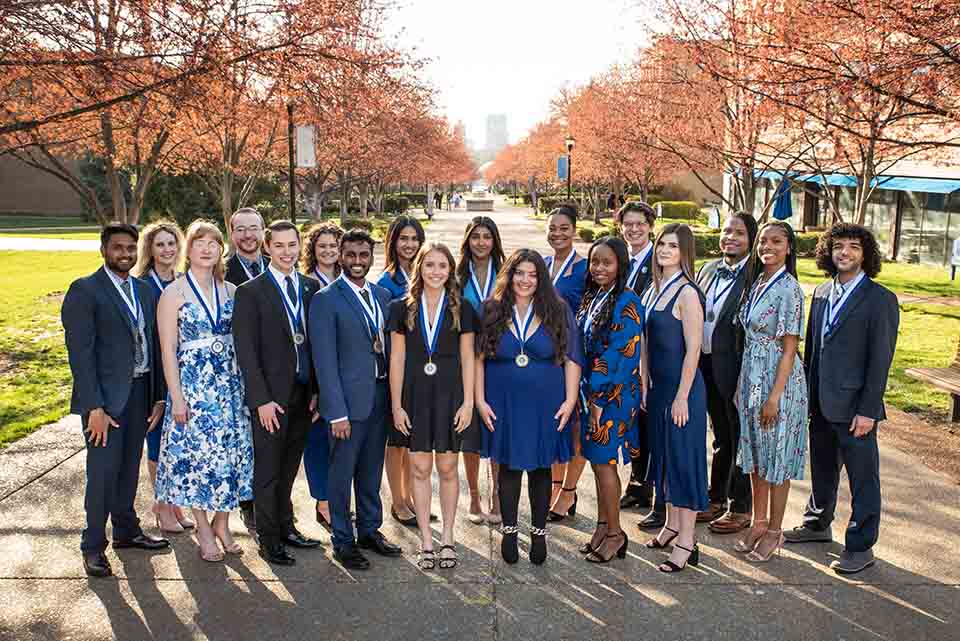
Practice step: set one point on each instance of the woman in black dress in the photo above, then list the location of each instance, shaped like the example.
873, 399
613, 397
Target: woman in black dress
431, 387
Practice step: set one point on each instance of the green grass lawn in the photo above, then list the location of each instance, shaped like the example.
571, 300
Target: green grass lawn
17, 221
60, 235
34, 375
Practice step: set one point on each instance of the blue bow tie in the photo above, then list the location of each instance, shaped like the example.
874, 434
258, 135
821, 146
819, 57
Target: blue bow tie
726, 273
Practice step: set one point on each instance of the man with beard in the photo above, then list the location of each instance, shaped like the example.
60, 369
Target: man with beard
247, 261
110, 325
722, 282
350, 355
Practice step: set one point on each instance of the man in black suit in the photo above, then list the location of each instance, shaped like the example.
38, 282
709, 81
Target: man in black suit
110, 324
636, 221
848, 350
273, 350
722, 282
246, 263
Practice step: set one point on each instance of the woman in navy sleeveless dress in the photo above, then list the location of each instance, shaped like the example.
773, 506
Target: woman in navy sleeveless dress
675, 394
568, 273
481, 255
158, 255
527, 385
405, 236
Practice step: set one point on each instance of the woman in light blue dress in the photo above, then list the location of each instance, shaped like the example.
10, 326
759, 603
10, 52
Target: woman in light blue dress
772, 391
206, 452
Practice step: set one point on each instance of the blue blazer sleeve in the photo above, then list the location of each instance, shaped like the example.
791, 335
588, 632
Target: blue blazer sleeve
79, 316
322, 326
882, 330
613, 374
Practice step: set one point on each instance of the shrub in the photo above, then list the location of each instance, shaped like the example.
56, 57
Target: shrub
586, 234
683, 209
676, 192
708, 244
807, 244
395, 204
357, 223
651, 199
603, 233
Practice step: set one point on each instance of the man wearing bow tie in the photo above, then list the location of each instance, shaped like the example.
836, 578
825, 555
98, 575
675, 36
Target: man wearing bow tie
722, 282
851, 338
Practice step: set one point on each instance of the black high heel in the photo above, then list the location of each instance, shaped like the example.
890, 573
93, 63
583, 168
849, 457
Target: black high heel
538, 545
692, 559
508, 546
586, 548
594, 557
571, 511
655, 544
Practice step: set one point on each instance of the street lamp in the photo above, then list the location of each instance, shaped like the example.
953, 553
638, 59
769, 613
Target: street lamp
569, 141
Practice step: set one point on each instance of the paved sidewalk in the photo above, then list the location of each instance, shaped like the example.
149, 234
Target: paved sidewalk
912, 593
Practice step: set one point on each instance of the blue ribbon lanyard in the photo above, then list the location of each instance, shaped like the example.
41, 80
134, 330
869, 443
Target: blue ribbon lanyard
635, 272
717, 295
293, 313
373, 315
563, 267
319, 274
522, 335
595, 306
132, 308
482, 294
431, 332
663, 290
833, 315
203, 300
759, 293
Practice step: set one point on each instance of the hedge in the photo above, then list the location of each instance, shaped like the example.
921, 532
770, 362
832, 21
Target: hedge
708, 244
395, 204
651, 199
365, 224
683, 209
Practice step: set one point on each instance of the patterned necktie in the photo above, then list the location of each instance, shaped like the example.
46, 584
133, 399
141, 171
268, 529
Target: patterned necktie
837, 293
138, 343
255, 269
725, 273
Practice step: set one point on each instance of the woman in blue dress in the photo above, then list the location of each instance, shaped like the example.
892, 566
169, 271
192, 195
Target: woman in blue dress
158, 254
568, 272
528, 375
772, 390
481, 255
675, 394
611, 323
404, 238
206, 451
320, 261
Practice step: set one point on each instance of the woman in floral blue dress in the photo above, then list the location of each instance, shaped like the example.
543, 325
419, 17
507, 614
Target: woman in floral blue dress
772, 391
206, 452
611, 322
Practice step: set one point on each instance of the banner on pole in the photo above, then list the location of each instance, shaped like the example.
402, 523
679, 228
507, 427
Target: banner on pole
306, 152
562, 168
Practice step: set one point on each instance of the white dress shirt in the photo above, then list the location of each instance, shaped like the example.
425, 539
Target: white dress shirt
715, 305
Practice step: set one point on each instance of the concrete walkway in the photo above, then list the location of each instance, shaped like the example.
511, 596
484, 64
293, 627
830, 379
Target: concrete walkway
912, 593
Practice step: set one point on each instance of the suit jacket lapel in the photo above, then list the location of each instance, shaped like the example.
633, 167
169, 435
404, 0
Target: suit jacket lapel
354, 303
114, 295
856, 297
733, 296
817, 307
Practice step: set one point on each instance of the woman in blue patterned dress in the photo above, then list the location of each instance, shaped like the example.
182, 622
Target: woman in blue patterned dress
481, 255
527, 381
404, 238
158, 254
206, 452
772, 391
568, 273
611, 322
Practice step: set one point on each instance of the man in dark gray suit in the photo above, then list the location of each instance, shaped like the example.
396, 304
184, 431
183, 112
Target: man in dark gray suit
722, 282
849, 346
110, 325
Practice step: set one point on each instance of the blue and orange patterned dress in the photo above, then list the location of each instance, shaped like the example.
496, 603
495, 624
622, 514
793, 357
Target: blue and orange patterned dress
207, 462
611, 381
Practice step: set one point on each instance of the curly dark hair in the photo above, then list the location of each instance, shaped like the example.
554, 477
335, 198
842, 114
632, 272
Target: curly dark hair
872, 257
640, 207
400, 223
308, 255
547, 306
463, 268
600, 335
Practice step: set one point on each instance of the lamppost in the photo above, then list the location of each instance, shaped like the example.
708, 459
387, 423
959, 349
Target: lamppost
569, 142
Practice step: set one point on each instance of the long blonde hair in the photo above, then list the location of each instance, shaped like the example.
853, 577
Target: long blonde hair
145, 260
416, 287
204, 229
688, 253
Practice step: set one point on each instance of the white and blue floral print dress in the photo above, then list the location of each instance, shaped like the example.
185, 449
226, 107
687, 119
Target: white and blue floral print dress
207, 462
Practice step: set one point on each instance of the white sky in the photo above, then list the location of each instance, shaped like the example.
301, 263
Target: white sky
512, 56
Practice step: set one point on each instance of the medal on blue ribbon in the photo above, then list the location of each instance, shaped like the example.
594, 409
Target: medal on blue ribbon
374, 321
522, 360
217, 346
431, 331
292, 308
483, 293
717, 295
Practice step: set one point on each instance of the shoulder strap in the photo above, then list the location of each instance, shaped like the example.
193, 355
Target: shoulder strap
676, 295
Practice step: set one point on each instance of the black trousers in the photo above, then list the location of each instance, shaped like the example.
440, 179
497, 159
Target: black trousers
832, 446
727, 481
538, 491
276, 462
113, 472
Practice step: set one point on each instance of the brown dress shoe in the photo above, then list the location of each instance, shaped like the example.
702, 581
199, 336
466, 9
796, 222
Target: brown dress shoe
711, 513
730, 523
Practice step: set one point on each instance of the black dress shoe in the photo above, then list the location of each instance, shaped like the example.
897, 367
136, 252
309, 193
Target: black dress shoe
351, 558
653, 521
142, 542
276, 554
96, 564
298, 540
637, 495
379, 544
410, 521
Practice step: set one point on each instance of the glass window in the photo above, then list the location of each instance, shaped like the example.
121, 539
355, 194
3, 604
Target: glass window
880, 214
911, 226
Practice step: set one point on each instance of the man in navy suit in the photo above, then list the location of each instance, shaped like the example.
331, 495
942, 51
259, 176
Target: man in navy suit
849, 346
348, 338
110, 325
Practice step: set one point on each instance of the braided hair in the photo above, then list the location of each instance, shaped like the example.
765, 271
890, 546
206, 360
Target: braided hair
600, 334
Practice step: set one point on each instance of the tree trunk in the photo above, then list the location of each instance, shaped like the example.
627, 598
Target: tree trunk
364, 190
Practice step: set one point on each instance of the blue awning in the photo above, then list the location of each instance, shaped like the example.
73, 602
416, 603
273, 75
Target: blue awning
895, 183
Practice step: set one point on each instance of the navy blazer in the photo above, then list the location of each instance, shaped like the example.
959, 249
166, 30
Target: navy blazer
644, 276
849, 373
100, 344
343, 354
726, 356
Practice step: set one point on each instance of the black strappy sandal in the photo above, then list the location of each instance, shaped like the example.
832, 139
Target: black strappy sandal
655, 544
692, 559
586, 548
594, 557
447, 562
571, 511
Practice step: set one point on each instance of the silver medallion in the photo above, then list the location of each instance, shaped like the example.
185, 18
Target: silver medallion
298, 339
217, 347
377, 346
430, 368
522, 360
711, 316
